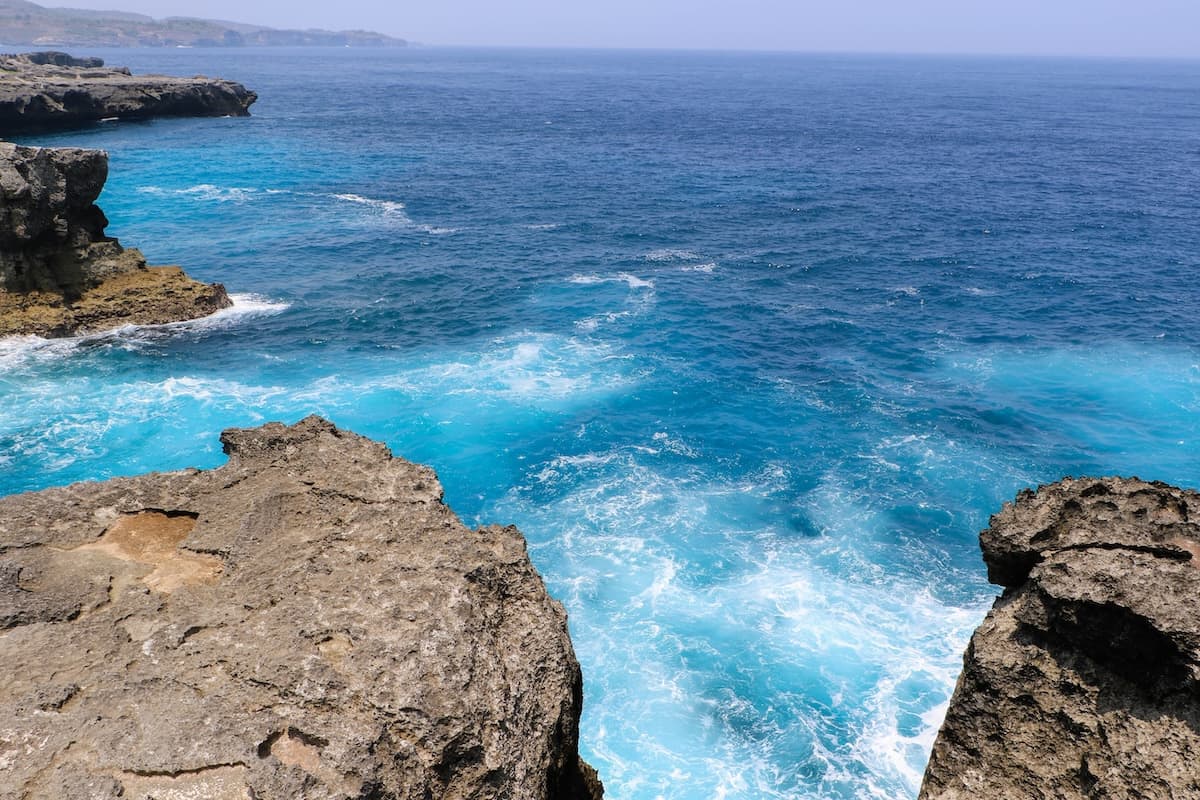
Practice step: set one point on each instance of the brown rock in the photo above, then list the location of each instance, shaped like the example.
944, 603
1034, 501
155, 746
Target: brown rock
59, 274
1084, 680
308, 621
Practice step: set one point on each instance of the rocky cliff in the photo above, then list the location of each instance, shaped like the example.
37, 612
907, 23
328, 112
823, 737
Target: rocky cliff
52, 91
307, 621
29, 23
1084, 680
59, 273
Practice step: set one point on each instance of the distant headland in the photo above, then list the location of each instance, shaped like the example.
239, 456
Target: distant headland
26, 23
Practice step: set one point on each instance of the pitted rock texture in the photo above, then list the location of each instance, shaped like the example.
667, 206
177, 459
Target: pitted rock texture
55, 91
307, 621
59, 274
1084, 680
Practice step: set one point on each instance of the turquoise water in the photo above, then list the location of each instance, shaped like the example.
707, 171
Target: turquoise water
749, 346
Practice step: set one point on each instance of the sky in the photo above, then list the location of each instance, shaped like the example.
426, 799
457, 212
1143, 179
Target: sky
1145, 28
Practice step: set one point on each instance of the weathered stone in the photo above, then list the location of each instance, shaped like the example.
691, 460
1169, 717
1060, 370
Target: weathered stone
307, 621
59, 273
58, 58
55, 91
1084, 680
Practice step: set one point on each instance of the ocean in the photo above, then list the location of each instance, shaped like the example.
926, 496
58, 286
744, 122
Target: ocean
749, 346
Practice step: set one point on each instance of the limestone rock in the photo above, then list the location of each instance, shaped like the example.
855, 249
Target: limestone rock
1084, 680
307, 621
61, 59
59, 273
55, 91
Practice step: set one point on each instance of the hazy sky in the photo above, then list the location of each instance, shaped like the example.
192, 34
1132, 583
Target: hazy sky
1069, 27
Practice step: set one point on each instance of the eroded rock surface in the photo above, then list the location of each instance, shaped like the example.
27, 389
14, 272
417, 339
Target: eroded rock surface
1084, 680
307, 621
59, 273
55, 91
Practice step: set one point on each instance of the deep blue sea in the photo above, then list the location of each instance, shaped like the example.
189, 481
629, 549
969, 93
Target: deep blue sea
749, 346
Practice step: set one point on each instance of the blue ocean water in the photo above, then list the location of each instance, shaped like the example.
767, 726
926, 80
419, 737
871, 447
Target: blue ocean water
749, 346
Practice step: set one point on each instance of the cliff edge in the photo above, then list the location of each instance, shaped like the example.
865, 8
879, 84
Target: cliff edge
307, 621
1084, 680
59, 274
54, 91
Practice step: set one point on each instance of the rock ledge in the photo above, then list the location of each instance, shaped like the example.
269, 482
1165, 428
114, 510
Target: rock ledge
1084, 680
307, 621
59, 274
55, 91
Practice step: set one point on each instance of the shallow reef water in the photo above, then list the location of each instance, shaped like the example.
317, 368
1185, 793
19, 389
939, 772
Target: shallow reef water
748, 345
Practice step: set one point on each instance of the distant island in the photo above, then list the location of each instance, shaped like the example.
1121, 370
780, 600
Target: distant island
26, 23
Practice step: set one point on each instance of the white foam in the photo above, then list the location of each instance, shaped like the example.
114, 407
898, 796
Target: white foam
707, 268
390, 207
205, 390
254, 304
825, 612
206, 192
22, 350
244, 306
527, 369
591, 324
394, 210
629, 279
18, 351
671, 254
543, 226
929, 660
674, 445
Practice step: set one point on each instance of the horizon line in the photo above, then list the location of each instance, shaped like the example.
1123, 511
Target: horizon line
414, 44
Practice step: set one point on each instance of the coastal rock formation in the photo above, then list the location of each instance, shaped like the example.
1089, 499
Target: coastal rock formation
1084, 680
307, 621
54, 91
59, 273
60, 59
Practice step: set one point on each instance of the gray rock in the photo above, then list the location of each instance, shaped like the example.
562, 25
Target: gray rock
59, 273
307, 621
60, 59
1084, 680
55, 91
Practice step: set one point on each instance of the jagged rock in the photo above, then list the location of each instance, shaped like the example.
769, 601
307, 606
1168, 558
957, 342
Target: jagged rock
59, 273
1084, 680
307, 621
55, 91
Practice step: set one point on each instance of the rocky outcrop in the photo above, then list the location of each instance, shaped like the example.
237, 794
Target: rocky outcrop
60, 59
307, 621
1084, 680
59, 273
54, 91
